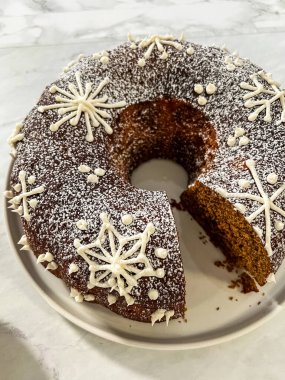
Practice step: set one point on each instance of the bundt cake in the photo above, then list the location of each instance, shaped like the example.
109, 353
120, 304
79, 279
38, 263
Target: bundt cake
219, 116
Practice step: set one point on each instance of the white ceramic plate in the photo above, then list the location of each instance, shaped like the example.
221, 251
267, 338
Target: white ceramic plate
207, 285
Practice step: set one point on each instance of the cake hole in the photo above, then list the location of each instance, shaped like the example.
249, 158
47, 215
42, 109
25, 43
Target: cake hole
165, 129
161, 175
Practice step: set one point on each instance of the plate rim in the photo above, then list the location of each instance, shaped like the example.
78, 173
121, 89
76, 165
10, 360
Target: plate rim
112, 336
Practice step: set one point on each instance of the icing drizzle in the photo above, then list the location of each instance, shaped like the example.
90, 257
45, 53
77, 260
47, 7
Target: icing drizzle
78, 101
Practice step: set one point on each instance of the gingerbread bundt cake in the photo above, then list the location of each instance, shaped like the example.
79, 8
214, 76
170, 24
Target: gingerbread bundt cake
219, 116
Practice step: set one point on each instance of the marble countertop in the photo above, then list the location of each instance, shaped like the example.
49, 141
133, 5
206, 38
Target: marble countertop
36, 342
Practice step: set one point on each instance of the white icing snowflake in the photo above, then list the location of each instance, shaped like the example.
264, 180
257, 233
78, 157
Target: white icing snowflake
20, 202
80, 101
263, 103
156, 41
120, 266
267, 203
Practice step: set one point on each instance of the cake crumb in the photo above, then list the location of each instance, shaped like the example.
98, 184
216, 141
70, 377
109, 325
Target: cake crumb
219, 264
235, 284
248, 284
177, 205
203, 238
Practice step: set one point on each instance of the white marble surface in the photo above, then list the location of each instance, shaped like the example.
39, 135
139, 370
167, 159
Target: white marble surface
36, 39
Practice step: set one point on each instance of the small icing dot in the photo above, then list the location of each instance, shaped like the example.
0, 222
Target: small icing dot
153, 294
49, 257
198, 88
8, 194
111, 299
33, 203
244, 183
127, 219
84, 168
81, 224
100, 172
104, 60
52, 90
161, 253
151, 228
230, 67
45, 257
244, 141
41, 258
239, 132
31, 180
202, 100
141, 62
278, 225
238, 61
73, 268
160, 272
92, 178
52, 266
240, 207
228, 59
231, 141
79, 298
190, 50
272, 178
211, 88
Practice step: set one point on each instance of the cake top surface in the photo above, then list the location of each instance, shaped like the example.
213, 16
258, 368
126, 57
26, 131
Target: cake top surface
63, 145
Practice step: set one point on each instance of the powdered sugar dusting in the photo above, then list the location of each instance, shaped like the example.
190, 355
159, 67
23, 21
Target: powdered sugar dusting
54, 159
